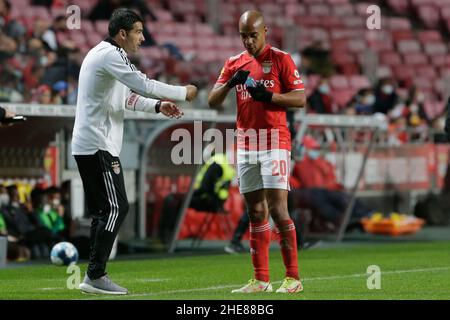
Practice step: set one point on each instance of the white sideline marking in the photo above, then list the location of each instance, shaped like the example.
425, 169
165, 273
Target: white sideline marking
50, 289
355, 275
152, 280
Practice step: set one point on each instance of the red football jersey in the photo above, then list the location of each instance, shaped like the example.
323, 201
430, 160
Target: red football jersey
277, 71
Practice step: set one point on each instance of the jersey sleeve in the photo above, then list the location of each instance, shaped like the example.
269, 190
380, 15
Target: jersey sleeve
225, 74
290, 77
120, 68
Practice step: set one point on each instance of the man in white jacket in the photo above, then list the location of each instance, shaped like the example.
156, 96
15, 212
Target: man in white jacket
109, 84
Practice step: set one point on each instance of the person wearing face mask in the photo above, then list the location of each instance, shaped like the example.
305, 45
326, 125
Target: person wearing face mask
321, 100
20, 227
319, 190
385, 96
416, 114
4, 197
365, 100
50, 214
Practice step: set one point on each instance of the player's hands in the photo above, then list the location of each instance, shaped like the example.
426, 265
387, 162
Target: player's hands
191, 92
447, 120
259, 93
171, 110
238, 78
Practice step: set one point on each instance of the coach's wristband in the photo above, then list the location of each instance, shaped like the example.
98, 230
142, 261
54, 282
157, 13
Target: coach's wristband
158, 106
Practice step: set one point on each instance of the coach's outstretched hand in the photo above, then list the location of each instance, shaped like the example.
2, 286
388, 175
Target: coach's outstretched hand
447, 120
171, 110
238, 78
191, 92
259, 93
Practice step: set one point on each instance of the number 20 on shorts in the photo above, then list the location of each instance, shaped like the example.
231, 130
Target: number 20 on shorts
279, 167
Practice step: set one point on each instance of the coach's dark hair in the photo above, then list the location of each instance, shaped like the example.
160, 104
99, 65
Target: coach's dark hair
122, 19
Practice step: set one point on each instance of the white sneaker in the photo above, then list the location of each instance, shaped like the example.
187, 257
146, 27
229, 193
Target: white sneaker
103, 285
254, 285
290, 285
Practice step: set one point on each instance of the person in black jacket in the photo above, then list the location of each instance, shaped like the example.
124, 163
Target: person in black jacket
447, 120
4, 114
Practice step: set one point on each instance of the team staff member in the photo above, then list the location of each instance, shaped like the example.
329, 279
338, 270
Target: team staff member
109, 84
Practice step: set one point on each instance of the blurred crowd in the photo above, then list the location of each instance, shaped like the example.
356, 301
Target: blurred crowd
40, 64
34, 222
35, 65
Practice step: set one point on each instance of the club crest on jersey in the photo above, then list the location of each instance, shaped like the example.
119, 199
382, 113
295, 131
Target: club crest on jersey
267, 66
115, 167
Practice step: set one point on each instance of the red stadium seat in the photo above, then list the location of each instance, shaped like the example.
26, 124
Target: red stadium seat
436, 48
163, 15
318, 34
354, 22
403, 72
445, 12
390, 58
415, 59
427, 72
184, 29
342, 58
343, 10
343, 97
339, 82
293, 10
349, 69
429, 15
357, 46
399, 6
399, 35
319, 10
87, 26
202, 29
384, 71
101, 26
359, 81
444, 72
408, 46
441, 60
399, 23
430, 36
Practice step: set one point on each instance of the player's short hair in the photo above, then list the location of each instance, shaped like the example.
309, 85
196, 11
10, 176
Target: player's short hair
122, 19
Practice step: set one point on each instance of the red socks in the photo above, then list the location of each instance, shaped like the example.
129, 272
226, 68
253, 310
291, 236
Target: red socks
288, 244
259, 249
260, 243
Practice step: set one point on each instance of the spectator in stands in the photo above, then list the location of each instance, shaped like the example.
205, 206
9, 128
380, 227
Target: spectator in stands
315, 59
446, 126
364, 101
385, 96
321, 100
4, 113
315, 186
398, 124
9, 26
416, 113
59, 92
50, 214
20, 227
42, 95
8, 89
49, 37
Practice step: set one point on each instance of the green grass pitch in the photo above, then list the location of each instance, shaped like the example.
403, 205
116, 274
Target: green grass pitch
408, 271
